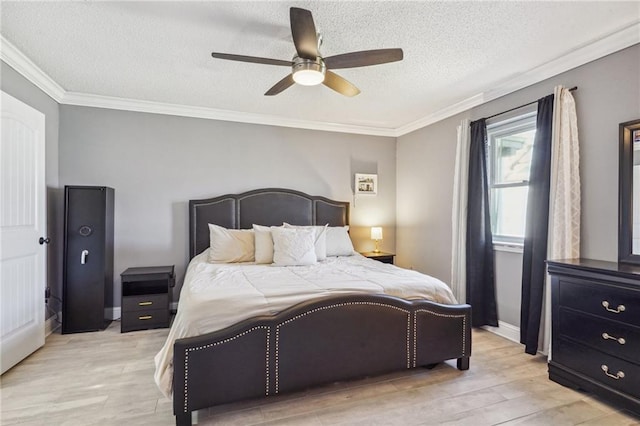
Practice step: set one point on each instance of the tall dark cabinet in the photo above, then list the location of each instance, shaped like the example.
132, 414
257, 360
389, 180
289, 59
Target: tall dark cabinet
88, 258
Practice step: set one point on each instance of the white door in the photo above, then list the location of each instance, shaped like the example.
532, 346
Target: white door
22, 223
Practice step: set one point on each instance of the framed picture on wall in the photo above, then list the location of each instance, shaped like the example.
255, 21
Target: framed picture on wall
366, 184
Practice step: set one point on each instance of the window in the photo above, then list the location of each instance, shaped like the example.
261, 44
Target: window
510, 148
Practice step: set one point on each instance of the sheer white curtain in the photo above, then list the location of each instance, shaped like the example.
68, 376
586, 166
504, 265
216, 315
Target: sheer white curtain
564, 196
459, 213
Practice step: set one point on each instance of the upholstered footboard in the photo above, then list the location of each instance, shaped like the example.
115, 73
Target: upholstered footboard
321, 341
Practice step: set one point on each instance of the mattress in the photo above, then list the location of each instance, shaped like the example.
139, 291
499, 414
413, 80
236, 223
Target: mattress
215, 296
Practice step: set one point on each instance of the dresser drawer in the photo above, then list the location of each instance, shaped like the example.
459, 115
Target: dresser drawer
145, 302
598, 299
592, 363
612, 337
142, 320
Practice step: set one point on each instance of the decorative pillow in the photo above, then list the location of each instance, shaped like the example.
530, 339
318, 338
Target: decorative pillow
264, 244
320, 241
338, 241
293, 246
230, 245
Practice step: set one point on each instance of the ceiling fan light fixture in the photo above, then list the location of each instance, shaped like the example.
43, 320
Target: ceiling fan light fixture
308, 77
307, 72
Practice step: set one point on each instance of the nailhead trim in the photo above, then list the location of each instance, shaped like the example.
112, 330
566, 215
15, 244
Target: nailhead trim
324, 308
211, 345
415, 332
321, 308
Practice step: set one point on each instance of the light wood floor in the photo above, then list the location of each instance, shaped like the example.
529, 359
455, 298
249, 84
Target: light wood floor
106, 378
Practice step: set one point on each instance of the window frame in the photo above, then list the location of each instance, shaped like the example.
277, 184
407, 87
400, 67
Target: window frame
520, 122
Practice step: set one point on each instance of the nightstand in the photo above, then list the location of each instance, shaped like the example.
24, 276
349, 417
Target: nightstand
380, 256
146, 297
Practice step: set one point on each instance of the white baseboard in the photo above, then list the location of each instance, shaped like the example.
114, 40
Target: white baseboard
113, 313
506, 330
51, 325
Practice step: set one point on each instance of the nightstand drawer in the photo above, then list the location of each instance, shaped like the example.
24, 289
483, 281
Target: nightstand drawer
608, 370
601, 300
612, 337
142, 320
145, 302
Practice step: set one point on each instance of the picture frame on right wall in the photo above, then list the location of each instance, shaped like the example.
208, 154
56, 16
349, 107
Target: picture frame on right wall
366, 184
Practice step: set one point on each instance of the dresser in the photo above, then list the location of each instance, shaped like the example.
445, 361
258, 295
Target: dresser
595, 343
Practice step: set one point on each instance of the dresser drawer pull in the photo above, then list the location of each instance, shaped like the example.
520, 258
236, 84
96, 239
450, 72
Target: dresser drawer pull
618, 375
145, 317
619, 309
145, 303
620, 340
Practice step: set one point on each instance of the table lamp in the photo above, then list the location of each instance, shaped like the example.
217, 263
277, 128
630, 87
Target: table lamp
376, 235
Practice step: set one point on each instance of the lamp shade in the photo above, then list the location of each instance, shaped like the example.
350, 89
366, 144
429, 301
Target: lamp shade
376, 233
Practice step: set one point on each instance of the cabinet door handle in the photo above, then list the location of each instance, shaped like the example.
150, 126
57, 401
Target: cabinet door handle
145, 317
620, 340
617, 376
145, 303
619, 309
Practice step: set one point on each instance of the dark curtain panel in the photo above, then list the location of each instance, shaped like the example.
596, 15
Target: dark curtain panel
535, 238
481, 289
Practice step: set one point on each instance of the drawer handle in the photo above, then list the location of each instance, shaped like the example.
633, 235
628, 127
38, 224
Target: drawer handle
619, 309
145, 317
618, 375
620, 340
145, 303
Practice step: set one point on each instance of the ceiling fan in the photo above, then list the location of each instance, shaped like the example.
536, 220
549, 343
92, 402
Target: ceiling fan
308, 67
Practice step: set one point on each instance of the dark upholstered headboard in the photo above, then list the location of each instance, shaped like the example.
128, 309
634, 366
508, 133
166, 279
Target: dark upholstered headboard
268, 207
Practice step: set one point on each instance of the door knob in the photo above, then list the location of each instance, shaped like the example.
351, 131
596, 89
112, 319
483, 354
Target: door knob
43, 240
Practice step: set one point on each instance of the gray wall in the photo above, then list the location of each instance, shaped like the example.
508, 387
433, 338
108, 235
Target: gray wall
156, 163
20, 88
608, 94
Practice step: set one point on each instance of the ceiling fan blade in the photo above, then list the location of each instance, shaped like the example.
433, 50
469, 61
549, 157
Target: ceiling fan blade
280, 86
304, 33
253, 59
363, 58
339, 84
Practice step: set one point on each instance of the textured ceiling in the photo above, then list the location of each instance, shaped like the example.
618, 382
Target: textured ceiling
160, 51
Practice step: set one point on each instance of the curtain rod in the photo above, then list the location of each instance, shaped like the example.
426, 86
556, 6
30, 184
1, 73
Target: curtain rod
521, 106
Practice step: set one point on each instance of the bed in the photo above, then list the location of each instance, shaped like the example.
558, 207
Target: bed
326, 336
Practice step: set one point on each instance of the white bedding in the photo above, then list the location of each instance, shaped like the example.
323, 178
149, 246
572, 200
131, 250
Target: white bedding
215, 296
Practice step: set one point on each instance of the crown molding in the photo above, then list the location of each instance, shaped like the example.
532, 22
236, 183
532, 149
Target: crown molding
17, 60
613, 42
99, 101
439, 115
617, 40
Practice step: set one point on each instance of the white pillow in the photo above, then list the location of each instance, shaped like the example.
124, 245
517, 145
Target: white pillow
338, 241
320, 241
293, 246
264, 244
230, 245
